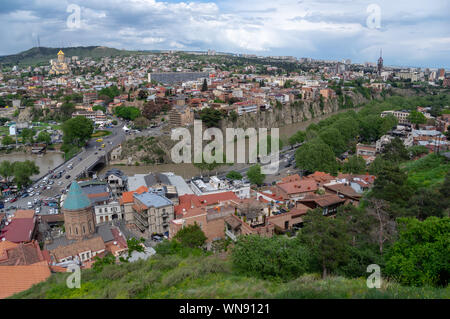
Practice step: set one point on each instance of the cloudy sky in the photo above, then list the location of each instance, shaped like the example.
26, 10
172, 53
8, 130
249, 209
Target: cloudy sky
410, 32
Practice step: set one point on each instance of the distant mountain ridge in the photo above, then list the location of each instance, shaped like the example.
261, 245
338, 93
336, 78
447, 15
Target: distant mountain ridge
39, 55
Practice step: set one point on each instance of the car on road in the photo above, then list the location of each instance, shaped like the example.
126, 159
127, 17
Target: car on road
24, 195
48, 187
67, 176
59, 183
95, 153
13, 200
37, 194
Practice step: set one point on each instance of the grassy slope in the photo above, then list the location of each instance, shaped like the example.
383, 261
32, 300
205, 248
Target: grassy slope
210, 277
429, 171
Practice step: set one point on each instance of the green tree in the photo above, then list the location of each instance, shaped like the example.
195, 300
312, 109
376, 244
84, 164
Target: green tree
127, 112
255, 176
327, 239
355, 165
77, 131
8, 140
390, 184
417, 118
316, 156
66, 111
298, 137
270, 258
234, 175
44, 137
332, 137
101, 262
210, 117
395, 151
27, 135
191, 236
420, 256
23, 171
6, 170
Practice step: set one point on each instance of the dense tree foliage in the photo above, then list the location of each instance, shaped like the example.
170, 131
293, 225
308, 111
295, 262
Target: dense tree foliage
210, 117
255, 176
270, 258
354, 165
127, 112
191, 236
316, 156
77, 131
234, 175
420, 256
327, 240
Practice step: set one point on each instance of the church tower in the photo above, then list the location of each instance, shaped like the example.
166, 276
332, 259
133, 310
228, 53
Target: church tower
380, 63
78, 214
61, 56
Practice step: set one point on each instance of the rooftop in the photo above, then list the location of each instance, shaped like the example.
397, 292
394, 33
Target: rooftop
76, 198
152, 200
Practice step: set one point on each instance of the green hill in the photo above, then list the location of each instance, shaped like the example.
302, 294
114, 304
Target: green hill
202, 276
39, 55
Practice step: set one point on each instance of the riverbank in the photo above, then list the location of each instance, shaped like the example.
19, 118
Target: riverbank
188, 171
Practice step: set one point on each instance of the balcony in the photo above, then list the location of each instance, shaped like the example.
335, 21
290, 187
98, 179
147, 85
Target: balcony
141, 219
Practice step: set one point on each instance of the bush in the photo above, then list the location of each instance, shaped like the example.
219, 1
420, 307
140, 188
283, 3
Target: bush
270, 258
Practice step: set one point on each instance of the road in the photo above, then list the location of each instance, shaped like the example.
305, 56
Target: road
80, 163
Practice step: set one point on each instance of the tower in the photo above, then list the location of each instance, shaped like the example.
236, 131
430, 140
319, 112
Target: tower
78, 214
380, 63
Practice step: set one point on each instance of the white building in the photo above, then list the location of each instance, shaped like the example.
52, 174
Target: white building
215, 185
108, 212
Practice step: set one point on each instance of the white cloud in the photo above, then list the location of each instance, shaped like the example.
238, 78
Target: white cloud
411, 32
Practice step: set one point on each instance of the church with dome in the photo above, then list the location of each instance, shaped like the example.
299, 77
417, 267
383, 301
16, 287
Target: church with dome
84, 239
60, 66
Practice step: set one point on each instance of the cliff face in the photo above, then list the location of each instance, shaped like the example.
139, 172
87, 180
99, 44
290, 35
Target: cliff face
290, 113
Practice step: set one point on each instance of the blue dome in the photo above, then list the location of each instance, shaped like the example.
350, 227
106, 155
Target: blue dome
76, 199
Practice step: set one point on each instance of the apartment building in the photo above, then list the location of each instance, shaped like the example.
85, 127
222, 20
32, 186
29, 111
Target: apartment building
152, 213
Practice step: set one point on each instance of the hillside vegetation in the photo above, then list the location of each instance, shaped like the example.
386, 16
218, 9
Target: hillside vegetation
202, 276
36, 55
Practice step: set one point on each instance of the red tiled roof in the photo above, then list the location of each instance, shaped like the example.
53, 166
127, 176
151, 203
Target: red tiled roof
127, 197
299, 186
15, 279
188, 200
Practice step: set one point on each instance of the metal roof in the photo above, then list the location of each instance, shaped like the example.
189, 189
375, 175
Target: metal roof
76, 198
153, 200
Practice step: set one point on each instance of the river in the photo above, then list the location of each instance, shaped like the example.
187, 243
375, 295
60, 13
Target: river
45, 162
188, 171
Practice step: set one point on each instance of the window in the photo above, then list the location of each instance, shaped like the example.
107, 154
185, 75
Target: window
84, 230
76, 230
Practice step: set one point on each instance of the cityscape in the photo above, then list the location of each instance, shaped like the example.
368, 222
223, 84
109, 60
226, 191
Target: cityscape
93, 203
